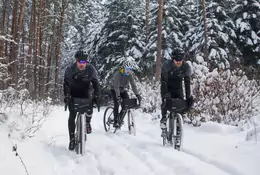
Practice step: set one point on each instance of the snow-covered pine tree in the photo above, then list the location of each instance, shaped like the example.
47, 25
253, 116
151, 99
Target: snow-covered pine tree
172, 34
84, 22
121, 38
221, 34
173, 26
147, 61
247, 21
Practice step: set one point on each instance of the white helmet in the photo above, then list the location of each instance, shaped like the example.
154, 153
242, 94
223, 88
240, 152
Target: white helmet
128, 64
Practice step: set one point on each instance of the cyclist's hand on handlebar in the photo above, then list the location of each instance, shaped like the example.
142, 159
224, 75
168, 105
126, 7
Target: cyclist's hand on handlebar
119, 100
167, 96
67, 99
96, 100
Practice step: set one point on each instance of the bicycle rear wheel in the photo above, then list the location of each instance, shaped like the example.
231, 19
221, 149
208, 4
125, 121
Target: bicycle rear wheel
108, 118
131, 123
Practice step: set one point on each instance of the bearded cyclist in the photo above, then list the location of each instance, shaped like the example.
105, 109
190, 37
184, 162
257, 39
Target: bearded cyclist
174, 72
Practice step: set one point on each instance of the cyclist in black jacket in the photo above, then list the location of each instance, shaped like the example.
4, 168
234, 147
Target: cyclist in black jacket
173, 73
77, 83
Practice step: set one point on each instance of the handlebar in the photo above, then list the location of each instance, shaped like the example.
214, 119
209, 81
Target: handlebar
66, 106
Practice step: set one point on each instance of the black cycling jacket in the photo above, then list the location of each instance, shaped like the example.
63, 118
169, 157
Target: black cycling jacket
78, 83
172, 77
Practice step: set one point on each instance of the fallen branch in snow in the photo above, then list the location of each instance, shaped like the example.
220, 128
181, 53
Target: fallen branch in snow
17, 154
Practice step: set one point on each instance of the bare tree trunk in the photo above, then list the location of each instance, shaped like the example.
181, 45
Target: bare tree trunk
13, 46
22, 68
58, 55
39, 51
51, 48
2, 30
19, 31
21, 20
205, 31
6, 42
147, 21
48, 69
44, 53
29, 67
35, 59
159, 42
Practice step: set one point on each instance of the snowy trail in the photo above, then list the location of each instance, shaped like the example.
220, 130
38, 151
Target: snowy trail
121, 153
124, 154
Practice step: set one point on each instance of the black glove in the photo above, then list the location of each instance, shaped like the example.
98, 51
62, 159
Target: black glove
119, 100
96, 100
139, 98
167, 96
190, 101
67, 99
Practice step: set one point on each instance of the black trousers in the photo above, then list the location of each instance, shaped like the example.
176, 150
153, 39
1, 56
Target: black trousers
72, 117
123, 95
174, 94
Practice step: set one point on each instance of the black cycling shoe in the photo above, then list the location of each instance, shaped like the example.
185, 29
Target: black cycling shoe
116, 125
72, 144
89, 129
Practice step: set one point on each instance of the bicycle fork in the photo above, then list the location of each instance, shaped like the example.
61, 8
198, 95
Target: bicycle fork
174, 130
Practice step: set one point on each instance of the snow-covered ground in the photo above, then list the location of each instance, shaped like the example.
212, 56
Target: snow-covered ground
212, 149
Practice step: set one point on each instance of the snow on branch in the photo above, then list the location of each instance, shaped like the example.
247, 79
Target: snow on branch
225, 96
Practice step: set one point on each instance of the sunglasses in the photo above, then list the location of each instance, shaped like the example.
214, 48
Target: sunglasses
179, 59
82, 61
128, 69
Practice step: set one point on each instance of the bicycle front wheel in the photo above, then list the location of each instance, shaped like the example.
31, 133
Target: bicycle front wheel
171, 131
108, 118
81, 134
179, 132
131, 123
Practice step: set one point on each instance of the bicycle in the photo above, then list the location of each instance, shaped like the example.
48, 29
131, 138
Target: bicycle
80, 106
175, 122
127, 106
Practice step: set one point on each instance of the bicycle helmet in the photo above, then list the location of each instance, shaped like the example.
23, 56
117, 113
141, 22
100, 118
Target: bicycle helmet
178, 54
81, 55
128, 64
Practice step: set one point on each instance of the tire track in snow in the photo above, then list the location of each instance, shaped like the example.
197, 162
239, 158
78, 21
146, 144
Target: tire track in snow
172, 165
130, 143
144, 156
114, 157
220, 165
225, 168
68, 162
